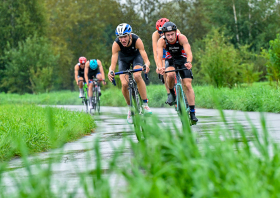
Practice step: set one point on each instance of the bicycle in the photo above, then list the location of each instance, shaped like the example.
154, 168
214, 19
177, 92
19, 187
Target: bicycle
134, 97
181, 104
85, 98
95, 96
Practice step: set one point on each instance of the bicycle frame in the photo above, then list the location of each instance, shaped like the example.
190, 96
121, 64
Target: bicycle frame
132, 88
95, 95
85, 98
179, 92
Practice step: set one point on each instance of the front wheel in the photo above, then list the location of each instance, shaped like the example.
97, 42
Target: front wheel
85, 103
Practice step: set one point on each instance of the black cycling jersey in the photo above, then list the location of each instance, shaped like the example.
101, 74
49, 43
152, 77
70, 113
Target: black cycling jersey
93, 72
128, 51
174, 50
81, 71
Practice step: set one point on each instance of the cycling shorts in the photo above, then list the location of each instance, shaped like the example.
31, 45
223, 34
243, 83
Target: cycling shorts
91, 78
126, 61
179, 64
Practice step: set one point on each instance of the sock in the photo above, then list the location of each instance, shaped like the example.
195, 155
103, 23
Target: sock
81, 90
90, 99
145, 101
172, 91
192, 109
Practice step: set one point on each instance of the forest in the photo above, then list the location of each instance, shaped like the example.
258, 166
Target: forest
233, 41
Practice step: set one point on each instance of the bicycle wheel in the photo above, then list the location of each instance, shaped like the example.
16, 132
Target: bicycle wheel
179, 99
138, 101
97, 101
85, 102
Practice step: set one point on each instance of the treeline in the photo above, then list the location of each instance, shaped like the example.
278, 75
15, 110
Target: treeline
233, 41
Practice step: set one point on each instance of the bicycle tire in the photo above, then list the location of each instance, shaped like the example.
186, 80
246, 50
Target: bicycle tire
85, 104
97, 106
138, 101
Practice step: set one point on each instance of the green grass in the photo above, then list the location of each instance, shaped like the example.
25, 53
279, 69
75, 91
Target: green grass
258, 97
39, 128
227, 162
182, 163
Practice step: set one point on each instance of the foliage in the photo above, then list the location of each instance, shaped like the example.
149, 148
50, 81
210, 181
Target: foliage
19, 20
29, 68
273, 58
220, 61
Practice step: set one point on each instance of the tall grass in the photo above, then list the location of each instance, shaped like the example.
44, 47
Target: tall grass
173, 161
258, 97
39, 128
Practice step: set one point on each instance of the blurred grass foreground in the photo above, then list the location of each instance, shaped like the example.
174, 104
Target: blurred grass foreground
170, 162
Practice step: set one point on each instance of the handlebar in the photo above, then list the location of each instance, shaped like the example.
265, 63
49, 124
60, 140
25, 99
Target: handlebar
176, 70
129, 71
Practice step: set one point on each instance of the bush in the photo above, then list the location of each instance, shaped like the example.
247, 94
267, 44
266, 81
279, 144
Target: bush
29, 67
273, 60
220, 61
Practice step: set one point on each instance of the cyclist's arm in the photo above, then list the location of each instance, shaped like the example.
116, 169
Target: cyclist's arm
187, 48
140, 46
76, 73
155, 38
160, 46
101, 69
114, 59
86, 71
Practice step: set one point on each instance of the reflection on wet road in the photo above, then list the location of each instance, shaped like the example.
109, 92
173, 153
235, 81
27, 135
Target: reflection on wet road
78, 157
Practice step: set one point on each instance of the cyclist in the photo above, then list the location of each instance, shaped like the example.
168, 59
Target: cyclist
93, 69
155, 37
128, 49
178, 54
79, 74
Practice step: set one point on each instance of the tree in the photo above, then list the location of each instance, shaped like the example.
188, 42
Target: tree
19, 20
29, 68
220, 61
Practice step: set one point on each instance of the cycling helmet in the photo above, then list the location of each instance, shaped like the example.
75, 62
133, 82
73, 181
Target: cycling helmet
82, 60
168, 27
160, 23
93, 64
123, 29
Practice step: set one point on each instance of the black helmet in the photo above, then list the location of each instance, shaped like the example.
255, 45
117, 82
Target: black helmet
168, 27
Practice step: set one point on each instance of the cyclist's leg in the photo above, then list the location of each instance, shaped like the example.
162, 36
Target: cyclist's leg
141, 85
164, 76
124, 65
170, 80
81, 84
99, 77
90, 93
187, 77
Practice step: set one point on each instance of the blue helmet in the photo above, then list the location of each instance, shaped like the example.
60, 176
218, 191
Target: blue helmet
93, 64
123, 29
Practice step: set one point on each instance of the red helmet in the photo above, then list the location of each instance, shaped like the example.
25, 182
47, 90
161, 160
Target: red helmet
82, 59
160, 23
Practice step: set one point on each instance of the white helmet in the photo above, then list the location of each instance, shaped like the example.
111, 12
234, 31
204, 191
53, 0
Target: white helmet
123, 29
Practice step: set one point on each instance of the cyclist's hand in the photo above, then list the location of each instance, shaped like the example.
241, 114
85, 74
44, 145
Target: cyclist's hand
161, 70
147, 69
188, 65
110, 76
103, 82
157, 70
